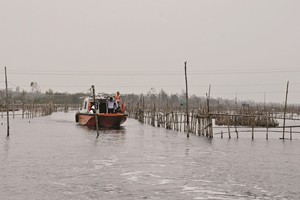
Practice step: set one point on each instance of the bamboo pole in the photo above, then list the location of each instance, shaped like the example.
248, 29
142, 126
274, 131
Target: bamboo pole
153, 115
203, 126
158, 120
13, 109
208, 98
187, 101
206, 126
209, 118
177, 127
285, 106
143, 112
173, 121
23, 110
180, 121
192, 123
7, 111
253, 122
228, 119
267, 134
235, 127
96, 114
211, 132
199, 125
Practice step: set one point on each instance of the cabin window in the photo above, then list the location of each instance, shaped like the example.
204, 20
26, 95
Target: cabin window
85, 104
102, 107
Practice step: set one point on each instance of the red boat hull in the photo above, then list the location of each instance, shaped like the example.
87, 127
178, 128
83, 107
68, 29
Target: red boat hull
113, 120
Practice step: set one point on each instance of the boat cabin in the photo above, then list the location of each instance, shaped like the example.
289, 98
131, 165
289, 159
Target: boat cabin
89, 106
99, 106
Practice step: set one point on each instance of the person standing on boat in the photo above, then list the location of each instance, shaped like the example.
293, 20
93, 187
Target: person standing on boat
110, 105
118, 98
92, 109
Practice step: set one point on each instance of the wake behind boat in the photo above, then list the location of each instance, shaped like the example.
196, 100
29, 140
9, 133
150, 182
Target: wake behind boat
110, 112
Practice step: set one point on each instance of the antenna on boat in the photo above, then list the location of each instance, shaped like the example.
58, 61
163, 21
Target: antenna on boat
96, 115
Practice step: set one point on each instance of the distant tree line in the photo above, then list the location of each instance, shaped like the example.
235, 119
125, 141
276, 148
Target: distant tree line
160, 100
163, 101
25, 97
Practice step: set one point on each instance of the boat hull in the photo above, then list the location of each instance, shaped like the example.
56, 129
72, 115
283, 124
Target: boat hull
113, 120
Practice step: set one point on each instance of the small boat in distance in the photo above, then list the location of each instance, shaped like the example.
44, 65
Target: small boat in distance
101, 108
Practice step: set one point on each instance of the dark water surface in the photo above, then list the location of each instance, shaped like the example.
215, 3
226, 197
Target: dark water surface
53, 158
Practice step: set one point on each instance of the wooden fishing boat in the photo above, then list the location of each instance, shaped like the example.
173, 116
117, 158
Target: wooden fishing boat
106, 117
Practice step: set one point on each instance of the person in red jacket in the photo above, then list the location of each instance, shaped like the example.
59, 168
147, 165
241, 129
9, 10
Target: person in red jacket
118, 98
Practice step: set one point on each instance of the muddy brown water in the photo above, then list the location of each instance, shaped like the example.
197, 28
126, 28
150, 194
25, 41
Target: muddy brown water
54, 158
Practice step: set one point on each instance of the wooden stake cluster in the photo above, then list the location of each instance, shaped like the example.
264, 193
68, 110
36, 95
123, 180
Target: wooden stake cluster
178, 121
202, 124
29, 110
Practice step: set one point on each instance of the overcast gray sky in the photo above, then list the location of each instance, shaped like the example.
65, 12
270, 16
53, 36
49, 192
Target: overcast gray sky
244, 48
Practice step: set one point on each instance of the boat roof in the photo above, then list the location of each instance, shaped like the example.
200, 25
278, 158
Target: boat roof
100, 96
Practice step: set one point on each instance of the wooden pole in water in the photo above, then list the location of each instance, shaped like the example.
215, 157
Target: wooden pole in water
235, 127
209, 117
180, 121
7, 111
187, 101
96, 115
228, 121
13, 108
285, 105
208, 98
253, 124
22, 109
143, 110
267, 134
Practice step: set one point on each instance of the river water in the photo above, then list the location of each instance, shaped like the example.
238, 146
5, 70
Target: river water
54, 158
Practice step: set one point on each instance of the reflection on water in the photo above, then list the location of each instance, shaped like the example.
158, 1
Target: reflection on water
6, 145
54, 158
